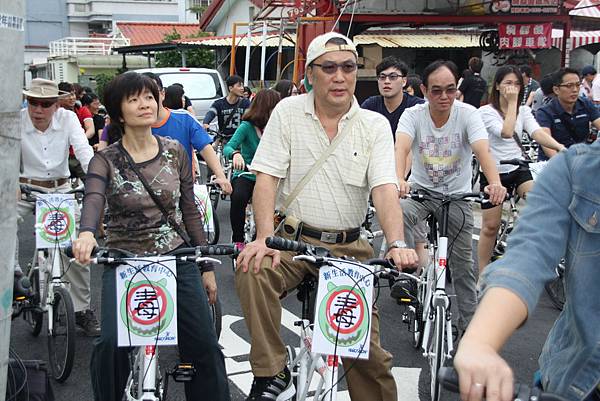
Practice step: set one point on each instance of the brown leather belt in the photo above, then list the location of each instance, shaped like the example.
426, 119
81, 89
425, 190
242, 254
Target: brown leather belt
334, 237
44, 183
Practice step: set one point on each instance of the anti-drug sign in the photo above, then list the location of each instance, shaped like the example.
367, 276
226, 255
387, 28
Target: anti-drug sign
147, 302
55, 220
343, 310
204, 206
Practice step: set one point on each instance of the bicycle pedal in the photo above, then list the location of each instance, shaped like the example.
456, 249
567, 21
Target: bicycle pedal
183, 372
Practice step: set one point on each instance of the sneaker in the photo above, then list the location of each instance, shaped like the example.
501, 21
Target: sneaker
404, 291
276, 388
86, 320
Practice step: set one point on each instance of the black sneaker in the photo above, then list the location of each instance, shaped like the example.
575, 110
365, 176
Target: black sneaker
276, 388
404, 291
86, 320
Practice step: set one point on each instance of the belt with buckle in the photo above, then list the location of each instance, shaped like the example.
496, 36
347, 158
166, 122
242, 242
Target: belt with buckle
335, 237
44, 183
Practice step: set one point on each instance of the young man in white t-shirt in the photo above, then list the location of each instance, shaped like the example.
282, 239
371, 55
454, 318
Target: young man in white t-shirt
442, 134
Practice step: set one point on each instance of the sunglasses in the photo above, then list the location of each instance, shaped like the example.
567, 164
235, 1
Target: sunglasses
329, 67
448, 91
43, 103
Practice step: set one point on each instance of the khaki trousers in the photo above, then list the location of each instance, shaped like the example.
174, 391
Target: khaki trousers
260, 299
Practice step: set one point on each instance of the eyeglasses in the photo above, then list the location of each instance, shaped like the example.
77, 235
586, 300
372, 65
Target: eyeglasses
392, 76
329, 67
43, 103
571, 85
448, 91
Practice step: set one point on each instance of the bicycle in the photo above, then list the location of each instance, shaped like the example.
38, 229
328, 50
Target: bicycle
367, 231
145, 381
303, 363
210, 221
449, 379
49, 294
428, 305
507, 224
220, 140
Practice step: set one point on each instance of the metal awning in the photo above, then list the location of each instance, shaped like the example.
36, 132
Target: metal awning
408, 40
421, 40
241, 40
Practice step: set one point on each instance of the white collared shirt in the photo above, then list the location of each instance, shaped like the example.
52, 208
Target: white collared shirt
45, 155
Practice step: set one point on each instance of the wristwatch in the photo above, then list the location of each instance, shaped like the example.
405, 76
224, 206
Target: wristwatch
397, 244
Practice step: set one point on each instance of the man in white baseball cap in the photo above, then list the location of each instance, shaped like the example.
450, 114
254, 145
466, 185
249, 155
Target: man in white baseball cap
47, 132
354, 151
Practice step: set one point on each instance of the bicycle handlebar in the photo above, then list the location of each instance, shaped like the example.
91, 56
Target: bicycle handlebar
114, 255
449, 379
282, 244
30, 192
517, 162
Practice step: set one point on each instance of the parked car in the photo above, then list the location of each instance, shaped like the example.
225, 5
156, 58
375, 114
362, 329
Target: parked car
202, 85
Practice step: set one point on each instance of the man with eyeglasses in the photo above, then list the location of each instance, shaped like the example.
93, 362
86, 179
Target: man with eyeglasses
392, 100
568, 116
328, 211
47, 132
442, 134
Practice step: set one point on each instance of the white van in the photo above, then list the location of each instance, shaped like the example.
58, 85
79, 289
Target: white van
202, 85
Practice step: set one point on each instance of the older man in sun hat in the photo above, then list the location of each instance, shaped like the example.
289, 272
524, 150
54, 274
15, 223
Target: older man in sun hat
330, 207
47, 132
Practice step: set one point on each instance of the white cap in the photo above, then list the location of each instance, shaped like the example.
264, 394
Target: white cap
319, 46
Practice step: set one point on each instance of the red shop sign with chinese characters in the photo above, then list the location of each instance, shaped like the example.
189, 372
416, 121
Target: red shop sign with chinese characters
525, 36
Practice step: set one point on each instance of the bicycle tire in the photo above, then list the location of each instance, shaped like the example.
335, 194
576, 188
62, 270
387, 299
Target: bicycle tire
213, 238
556, 292
475, 171
33, 316
417, 326
437, 360
63, 319
216, 314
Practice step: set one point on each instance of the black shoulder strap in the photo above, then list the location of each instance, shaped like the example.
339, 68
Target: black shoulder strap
170, 219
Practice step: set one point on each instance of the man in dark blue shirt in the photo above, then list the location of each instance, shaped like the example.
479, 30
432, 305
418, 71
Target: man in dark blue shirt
567, 117
391, 78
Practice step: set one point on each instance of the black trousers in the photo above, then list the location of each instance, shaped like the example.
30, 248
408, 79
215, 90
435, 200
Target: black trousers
241, 195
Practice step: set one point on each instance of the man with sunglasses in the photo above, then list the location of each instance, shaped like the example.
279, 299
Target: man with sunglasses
392, 100
327, 211
47, 132
442, 134
568, 116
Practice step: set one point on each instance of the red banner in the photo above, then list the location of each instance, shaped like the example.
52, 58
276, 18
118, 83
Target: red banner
525, 36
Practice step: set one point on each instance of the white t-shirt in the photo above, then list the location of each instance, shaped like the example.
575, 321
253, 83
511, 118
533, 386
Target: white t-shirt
506, 148
596, 89
442, 156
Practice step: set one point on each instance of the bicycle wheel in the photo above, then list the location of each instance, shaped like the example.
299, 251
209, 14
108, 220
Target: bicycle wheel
216, 315
33, 315
437, 355
556, 291
475, 174
213, 237
134, 382
61, 342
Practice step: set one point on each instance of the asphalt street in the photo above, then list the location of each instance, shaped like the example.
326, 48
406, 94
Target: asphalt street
410, 368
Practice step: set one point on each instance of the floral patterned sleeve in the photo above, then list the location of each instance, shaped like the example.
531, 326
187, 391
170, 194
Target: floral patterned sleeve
191, 216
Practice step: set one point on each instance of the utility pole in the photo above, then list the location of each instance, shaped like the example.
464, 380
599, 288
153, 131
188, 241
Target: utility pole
12, 33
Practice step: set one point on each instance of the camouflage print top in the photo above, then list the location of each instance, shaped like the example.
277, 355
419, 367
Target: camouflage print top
135, 223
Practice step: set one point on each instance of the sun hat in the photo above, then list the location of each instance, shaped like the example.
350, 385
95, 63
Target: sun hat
43, 89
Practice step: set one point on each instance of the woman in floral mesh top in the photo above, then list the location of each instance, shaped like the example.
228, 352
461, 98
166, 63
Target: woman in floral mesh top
136, 224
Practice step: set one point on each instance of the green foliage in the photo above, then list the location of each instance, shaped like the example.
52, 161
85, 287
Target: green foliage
194, 57
102, 80
197, 9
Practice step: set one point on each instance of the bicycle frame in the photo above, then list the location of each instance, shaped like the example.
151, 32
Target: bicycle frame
146, 360
435, 287
48, 280
309, 362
